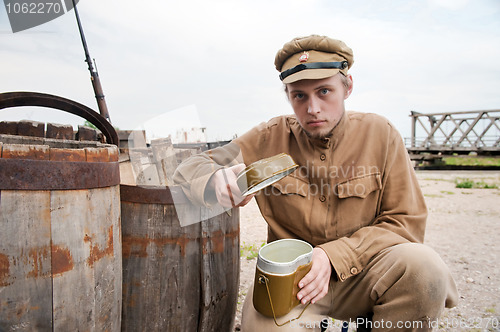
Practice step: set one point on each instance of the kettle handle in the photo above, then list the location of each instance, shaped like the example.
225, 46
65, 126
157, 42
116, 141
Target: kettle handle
16, 99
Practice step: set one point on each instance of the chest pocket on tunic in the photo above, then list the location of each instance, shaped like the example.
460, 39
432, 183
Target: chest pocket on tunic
291, 185
286, 201
357, 203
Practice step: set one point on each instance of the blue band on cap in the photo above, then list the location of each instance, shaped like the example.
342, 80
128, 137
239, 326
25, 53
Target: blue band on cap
313, 65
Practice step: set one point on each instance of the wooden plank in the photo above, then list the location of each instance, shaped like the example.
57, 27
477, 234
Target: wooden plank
159, 148
87, 279
69, 144
134, 265
8, 127
59, 131
127, 174
137, 139
73, 280
143, 166
21, 151
13, 139
123, 134
86, 134
105, 257
183, 279
161, 269
126, 138
98, 154
219, 270
113, 153
136, 163
57, 154
25, 261
152, 273
165, 160
139, 158
31, 128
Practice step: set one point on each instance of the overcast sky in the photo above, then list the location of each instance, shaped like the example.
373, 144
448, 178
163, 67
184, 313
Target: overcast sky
211, 63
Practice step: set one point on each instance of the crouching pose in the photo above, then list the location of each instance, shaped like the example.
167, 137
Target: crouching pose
354, 198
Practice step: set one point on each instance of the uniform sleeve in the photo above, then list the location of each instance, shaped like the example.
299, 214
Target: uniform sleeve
401, 217
194, 173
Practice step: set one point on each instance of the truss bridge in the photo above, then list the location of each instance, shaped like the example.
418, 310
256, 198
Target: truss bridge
454, 133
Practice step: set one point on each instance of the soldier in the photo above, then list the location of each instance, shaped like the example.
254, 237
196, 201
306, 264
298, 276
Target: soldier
354, 198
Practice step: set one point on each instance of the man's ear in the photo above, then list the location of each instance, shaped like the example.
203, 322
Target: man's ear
348, 91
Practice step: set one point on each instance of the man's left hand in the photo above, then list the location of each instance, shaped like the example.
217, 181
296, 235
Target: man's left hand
314, 286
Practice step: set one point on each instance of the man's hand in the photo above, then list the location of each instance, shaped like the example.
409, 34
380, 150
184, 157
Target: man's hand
223, 182
314, 285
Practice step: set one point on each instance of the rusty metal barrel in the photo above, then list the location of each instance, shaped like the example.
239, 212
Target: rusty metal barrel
60, 235
177, 278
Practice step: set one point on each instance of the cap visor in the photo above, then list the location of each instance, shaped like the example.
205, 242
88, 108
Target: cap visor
310, 74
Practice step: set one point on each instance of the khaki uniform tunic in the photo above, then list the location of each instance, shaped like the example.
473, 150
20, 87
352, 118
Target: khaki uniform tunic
354, 193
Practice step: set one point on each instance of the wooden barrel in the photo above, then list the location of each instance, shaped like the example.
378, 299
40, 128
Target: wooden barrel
176, 278
60, 236
60, 244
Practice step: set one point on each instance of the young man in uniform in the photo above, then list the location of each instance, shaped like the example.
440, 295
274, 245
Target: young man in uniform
354, 198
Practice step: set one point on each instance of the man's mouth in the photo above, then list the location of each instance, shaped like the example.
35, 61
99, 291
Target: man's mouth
316, 123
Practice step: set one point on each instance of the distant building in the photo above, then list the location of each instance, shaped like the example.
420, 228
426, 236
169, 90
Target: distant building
193, 135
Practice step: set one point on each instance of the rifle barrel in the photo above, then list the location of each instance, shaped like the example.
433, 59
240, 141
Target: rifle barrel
94, 75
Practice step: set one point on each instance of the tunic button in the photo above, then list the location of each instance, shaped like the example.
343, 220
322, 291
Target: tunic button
322, 157
354, 270
322, 198
342, 276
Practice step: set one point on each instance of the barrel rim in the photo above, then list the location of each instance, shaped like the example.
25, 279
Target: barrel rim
148, 194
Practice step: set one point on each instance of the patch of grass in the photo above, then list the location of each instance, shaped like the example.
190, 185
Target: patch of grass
447, 192
484, 185
250, 251
471, 161
464, 183
433, 196
468, 184
434, 179
491, 310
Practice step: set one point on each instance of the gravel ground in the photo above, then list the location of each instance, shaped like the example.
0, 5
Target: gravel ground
463, 227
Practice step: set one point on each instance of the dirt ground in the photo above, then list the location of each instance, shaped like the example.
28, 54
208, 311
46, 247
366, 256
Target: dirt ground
463, 227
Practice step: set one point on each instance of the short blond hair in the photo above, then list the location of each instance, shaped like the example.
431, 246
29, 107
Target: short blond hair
345, 82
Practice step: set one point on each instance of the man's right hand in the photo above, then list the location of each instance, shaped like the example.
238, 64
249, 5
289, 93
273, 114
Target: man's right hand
226, 188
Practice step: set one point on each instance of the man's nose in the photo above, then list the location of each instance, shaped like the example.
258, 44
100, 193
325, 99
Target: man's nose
313, 106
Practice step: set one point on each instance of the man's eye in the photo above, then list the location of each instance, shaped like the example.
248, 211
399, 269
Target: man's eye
299, 96
324, 91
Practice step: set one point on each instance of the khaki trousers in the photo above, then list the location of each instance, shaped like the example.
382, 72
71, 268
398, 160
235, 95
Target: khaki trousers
403, 288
